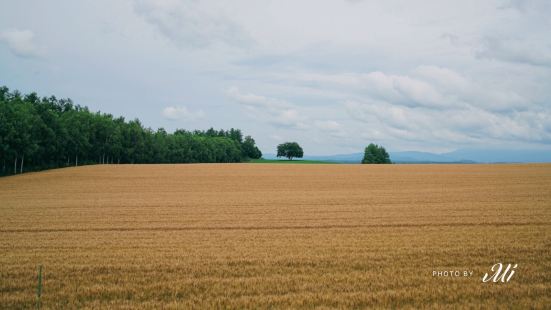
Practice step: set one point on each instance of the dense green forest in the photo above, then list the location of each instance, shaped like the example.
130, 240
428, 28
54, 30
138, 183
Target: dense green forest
42, 133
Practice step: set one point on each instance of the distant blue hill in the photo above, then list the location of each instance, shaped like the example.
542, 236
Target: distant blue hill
425, 157
506, 156
458, 156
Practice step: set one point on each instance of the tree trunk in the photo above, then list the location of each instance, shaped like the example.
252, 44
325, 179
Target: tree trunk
67, 160
22, 160
76, 160
15, 166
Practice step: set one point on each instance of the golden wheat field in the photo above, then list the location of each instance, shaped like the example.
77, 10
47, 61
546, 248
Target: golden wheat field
275, 236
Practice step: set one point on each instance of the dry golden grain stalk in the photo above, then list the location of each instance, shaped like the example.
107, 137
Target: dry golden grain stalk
283, 236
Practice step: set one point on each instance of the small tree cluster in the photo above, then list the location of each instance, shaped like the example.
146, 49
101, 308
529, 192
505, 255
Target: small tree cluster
375, 154
249, 148
289, 150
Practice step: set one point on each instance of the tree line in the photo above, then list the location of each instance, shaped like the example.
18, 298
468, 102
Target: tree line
42, 133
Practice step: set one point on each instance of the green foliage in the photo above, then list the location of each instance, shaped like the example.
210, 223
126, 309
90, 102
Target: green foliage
375, 154
289, 150
284, 161
249, 148
41, 133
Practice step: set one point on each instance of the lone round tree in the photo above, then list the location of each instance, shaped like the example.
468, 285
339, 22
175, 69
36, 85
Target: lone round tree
289, 150
375, 154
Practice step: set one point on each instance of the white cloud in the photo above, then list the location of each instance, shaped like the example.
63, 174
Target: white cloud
328, 125
256, 100
276, 137
283, 114
443, 126
400, 89
442, 77
181, 113
275, 111
331, 127
20, 42
426, 86
191, 23
525, 6
522, 51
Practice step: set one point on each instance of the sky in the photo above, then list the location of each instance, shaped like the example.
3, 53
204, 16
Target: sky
333, 75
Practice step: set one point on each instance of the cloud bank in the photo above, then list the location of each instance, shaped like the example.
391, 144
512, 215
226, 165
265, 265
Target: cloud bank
333, 75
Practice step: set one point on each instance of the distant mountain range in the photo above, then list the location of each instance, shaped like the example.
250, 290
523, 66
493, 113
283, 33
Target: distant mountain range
458, 156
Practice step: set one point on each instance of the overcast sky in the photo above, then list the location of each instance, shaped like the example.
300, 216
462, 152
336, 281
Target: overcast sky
333, 75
